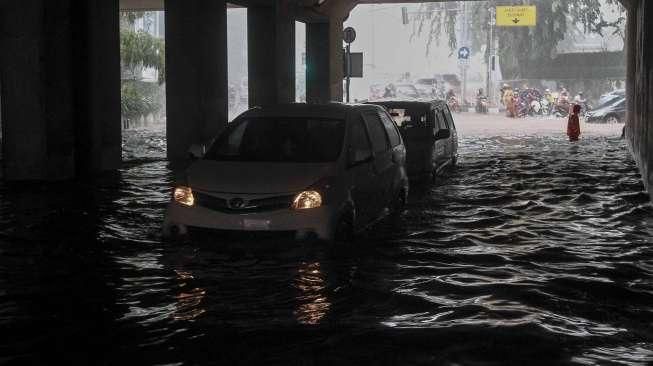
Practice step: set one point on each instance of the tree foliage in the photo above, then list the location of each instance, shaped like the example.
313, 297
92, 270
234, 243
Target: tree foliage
518, 46
139, 50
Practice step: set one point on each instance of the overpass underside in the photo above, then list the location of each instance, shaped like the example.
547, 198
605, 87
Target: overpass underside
60, 75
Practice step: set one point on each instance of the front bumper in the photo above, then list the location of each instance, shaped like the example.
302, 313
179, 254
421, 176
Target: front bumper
318, 221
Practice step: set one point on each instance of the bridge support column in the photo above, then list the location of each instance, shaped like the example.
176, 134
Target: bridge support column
639, 44
60, 73
271, 55
196, 73
324, 69
98, 131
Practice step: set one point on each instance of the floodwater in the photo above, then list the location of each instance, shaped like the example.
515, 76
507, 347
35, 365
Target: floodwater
532, 251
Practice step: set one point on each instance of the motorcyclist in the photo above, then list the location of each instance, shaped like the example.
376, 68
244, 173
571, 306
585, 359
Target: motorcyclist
481, 101
563, 97
509, 102
389, 91
451, 94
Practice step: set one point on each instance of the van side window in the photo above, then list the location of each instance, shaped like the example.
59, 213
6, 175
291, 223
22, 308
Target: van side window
440, 121
450, 122
359, 143
444, 119
377, 132
390, 128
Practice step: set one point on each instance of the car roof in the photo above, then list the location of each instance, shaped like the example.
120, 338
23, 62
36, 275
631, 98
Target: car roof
409, 104
326, 111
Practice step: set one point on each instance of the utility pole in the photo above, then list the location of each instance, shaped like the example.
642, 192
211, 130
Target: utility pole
490, 48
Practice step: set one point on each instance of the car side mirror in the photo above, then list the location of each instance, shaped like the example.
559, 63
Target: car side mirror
196, 151
442, 134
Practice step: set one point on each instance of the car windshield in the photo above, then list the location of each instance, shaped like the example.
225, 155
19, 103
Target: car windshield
280, 139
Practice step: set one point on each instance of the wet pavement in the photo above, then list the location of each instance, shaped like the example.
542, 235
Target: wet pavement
532, 251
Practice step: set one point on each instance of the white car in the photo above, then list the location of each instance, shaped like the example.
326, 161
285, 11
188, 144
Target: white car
324, 171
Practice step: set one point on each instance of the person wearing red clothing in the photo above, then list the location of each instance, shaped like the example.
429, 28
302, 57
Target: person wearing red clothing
573, 124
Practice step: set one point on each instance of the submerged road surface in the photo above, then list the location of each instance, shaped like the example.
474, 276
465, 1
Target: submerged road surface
532, 251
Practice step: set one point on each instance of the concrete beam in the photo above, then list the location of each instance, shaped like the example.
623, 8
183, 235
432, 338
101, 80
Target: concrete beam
196, 73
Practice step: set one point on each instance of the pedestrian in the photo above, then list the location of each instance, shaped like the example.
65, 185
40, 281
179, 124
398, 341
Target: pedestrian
573, 124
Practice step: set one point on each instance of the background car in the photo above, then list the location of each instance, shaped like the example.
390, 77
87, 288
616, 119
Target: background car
611, 97
324, 171
614, 112
429, 133
407, 91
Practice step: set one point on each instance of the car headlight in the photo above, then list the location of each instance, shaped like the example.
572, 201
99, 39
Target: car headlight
306, 200
184, 196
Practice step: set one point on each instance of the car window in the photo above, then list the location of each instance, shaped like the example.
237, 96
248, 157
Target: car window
359, 143
443, 116
440, 121
450, 122
279, 139
390, 128
377, 132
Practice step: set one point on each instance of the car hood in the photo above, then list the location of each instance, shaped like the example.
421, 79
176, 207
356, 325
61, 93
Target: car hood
601, 112
255, 177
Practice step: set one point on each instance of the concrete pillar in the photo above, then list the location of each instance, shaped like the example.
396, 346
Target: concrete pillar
271, 55
640, 87
60, 70
97, 65
35, 66
196, 73
324, 69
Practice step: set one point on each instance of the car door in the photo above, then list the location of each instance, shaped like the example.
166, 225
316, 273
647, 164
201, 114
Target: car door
383, 164
440, 149
360, 168
453, 151
398, 153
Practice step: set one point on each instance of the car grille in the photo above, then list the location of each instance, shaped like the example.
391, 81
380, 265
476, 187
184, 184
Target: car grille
251, 206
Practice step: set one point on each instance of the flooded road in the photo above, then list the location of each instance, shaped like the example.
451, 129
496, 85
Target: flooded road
532, 251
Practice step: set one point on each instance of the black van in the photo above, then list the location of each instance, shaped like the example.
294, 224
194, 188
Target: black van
429, 133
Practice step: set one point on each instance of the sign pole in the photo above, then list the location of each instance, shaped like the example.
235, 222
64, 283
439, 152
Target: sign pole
348, 68
349, 36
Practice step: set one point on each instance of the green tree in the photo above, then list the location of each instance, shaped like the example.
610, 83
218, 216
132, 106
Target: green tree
139, 50
518, 47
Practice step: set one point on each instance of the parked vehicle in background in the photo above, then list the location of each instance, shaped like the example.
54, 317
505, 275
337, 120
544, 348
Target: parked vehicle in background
324, 171
429, 133
611, 97
406, 91
614, 112
427, 87
376, 91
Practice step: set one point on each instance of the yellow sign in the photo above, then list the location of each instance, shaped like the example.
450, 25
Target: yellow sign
516, 16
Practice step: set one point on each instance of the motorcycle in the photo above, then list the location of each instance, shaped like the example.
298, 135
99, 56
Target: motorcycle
482, 104
561, 107
453, 104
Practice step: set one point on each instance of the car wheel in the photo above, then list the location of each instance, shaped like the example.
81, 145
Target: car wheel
611, 119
